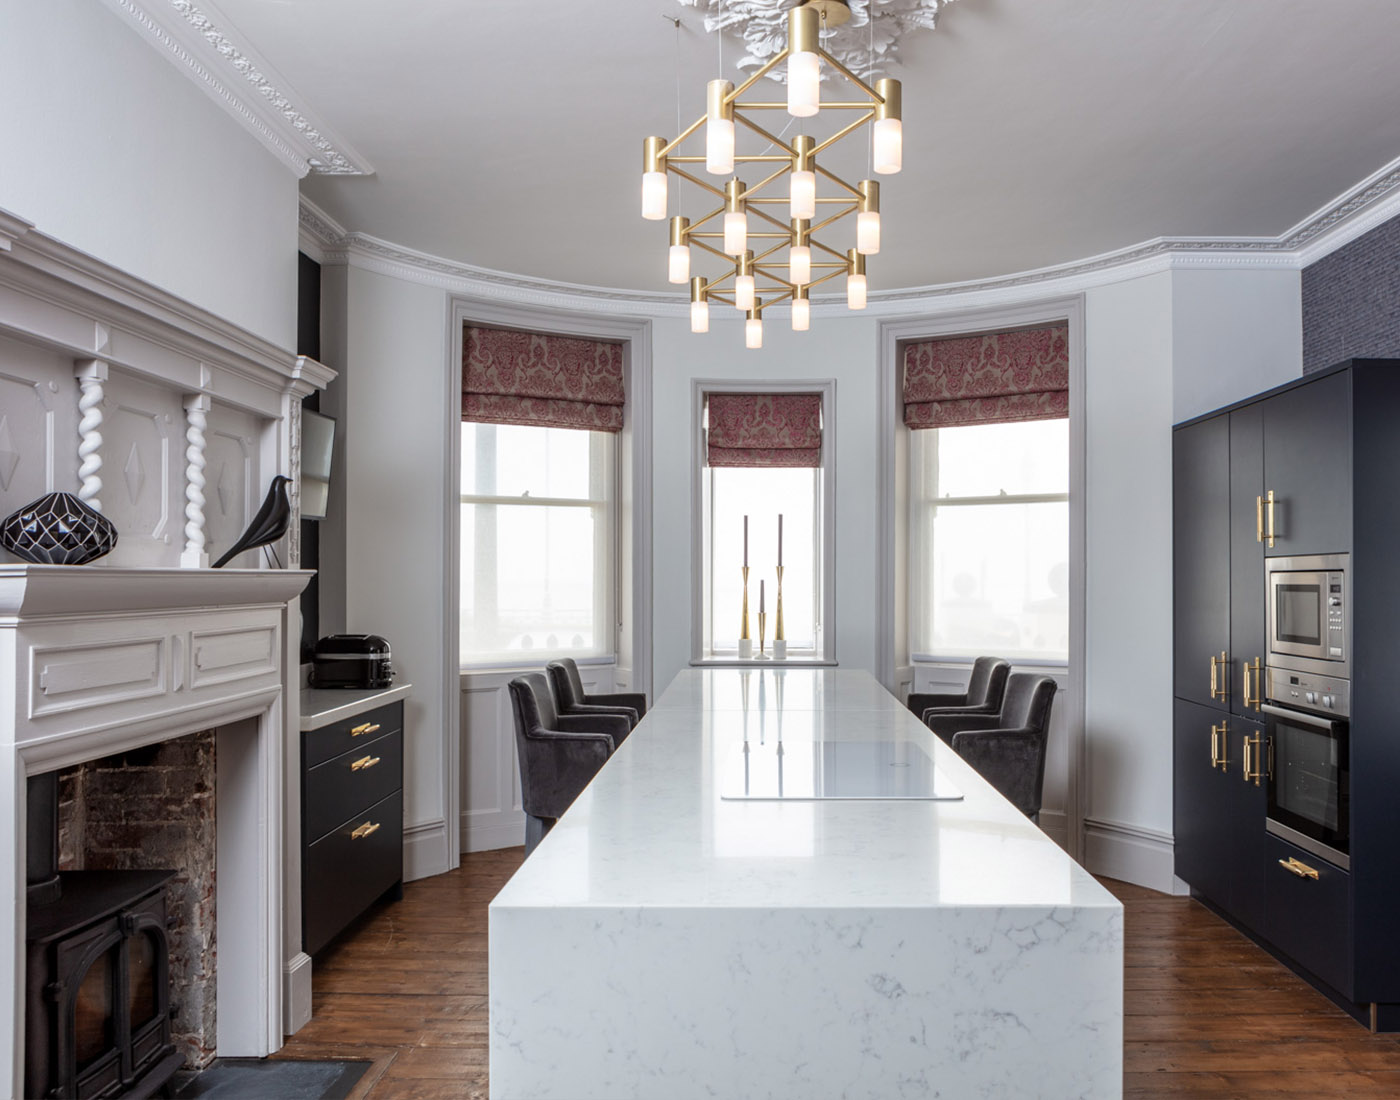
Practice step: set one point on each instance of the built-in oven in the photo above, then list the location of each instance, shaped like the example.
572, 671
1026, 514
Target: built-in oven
1308, 606
1305, 762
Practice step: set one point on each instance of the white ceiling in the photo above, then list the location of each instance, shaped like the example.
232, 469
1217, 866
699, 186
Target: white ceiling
508, 134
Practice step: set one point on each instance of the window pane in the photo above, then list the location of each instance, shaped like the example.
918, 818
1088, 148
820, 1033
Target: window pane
984, 460
762, 495
529, 581
510, 460
999, 580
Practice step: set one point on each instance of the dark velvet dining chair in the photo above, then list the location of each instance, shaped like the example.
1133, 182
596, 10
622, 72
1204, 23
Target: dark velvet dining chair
985, 688
1007, 748
559, 754
568, 689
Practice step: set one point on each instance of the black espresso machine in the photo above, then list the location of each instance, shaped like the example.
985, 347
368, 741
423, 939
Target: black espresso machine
351, 661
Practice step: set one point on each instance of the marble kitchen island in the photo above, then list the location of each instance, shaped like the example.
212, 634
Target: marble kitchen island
666, 940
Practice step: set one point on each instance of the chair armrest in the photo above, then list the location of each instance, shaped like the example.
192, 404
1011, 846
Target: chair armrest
946, 725
920, 703
560, 765
616, 726
589, 709
1011, 760
636, 700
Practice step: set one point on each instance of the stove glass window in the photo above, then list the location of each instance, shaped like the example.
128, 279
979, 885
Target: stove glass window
1309, 777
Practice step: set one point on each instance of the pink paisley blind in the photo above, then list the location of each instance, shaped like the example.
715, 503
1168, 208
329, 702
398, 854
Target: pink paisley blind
761, 429
547, 381
995, 378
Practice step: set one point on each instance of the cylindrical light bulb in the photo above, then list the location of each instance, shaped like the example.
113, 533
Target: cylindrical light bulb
700, 316
743, 292
801, 314
802, 198
679, 264
800, 264
719, 128
855, 291
654, 196
888, 146
753, 331
803, 84
736, 233
719, 146
868, 232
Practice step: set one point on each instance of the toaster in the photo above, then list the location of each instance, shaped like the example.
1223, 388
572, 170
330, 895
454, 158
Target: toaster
351, 661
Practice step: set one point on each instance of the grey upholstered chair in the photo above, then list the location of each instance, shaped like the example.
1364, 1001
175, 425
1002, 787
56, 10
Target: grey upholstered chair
1008, 748
983, 695
568, 689
559, 754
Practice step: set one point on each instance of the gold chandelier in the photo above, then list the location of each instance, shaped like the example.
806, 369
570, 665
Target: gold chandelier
778, 261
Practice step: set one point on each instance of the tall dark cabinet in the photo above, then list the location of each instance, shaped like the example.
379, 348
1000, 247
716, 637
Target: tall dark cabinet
1310, 468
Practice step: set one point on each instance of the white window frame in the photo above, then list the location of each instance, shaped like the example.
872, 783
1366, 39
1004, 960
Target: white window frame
700, 652
924, 501
604, 491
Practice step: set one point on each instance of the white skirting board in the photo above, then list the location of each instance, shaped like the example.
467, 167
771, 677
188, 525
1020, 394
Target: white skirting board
503, 830
425, 850
1131, 853
296, 993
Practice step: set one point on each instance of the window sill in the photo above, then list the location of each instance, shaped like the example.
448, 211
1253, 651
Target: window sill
762, 662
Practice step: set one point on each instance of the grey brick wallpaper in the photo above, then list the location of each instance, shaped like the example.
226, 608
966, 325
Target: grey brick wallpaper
1351, 300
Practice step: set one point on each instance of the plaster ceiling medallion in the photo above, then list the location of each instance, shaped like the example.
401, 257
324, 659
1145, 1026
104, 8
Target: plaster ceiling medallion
864, 49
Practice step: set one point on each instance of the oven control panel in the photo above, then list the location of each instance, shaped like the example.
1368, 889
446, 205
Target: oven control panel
1336, 616
1308, 691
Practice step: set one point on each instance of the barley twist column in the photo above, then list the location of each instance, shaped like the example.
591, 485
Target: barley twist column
197, 406
91, 375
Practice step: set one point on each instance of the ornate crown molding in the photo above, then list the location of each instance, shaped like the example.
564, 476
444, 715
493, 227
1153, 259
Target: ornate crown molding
198, 40
867, 50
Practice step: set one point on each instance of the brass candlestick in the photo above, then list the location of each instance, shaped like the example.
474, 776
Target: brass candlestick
762, 621
744, 620
778, 635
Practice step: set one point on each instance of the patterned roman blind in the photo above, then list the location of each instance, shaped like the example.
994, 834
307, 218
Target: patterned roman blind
764, 429
994, 378
548, 381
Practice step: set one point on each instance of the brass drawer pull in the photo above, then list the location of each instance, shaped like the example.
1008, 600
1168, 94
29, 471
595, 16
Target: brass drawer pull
364, 762
1298, 867
367, 828
1220, 676
1257, 700
1220, 746
1252, 759
368, 727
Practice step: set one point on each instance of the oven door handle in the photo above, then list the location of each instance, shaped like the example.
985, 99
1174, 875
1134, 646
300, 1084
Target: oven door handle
1301, 717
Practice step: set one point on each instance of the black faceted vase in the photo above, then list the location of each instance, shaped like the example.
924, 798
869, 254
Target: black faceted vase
58, 529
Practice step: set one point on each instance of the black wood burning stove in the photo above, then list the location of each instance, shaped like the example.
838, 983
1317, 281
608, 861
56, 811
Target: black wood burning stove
97, 1013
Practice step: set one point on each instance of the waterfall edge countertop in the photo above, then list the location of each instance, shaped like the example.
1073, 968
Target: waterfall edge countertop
663, 940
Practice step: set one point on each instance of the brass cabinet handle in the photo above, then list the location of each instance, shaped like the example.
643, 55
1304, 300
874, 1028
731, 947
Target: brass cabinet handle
1259, 519
368, 727
1214, 746
1220, 676
364, 762
1251, 759
1256, 667
365, 830
1298, 867
1269, 512
1220, 746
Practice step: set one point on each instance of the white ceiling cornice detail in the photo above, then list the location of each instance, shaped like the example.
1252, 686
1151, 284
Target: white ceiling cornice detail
1372, 201
866, 52
200, 42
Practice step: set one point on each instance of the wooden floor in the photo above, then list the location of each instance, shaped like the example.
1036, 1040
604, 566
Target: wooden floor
1206, 1013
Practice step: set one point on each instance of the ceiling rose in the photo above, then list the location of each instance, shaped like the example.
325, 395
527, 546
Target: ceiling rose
864, 49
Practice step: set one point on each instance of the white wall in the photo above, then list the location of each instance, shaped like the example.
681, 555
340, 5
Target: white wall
1128, 622
396, 454
1234, 334
839, 347
106, 146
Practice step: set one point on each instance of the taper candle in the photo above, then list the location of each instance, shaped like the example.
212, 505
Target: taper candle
780, 538
760, 597
746, 540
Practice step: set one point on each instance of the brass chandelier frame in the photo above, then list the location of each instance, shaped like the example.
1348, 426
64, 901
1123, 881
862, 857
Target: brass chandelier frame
769, 263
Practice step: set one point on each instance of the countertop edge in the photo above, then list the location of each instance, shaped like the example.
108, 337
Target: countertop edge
354, 702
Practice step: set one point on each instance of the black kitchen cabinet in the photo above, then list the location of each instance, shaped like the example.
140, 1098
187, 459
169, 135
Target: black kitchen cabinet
1246, 598
1307, 467
1201, 558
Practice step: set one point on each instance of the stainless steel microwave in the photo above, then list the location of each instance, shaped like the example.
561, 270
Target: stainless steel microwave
1309, 605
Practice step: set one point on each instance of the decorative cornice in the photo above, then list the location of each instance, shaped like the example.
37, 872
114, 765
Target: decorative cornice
12, 228
196, 39
1372, 201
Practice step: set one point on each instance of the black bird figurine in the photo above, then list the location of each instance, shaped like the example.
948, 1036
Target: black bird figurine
269, 525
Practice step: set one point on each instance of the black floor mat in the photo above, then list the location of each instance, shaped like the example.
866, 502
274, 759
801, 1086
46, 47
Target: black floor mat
266, 1079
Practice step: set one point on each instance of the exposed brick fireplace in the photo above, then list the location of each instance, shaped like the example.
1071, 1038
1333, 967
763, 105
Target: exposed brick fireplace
153, 808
